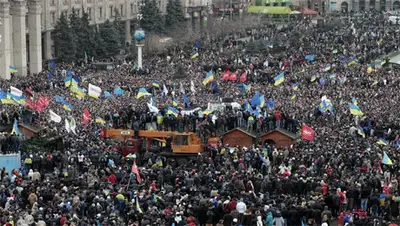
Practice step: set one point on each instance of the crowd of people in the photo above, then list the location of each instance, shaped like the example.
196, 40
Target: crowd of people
348, 170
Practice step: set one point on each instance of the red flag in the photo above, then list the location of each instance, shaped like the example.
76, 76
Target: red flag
28, 90
225, 75
233, 77
86, 116
243, 77
307, 133
135, 170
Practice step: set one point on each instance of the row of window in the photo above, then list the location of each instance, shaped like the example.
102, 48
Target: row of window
101, 14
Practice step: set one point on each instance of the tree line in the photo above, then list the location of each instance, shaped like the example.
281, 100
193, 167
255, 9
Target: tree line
76, 39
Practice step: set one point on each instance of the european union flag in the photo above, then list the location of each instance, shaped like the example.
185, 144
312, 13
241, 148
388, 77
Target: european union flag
60, 99
270, 103
255, 101
118, 91
49, 75
309, 57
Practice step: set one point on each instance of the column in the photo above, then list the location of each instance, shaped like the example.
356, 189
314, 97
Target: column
47, 46
18, 12
139, 55
35, 36
367, 6
377, 5
190, 24
356, 6
388, 5
128, 36
5, 58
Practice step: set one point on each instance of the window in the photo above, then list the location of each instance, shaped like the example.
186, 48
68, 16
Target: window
111, 10
100, 12
121, 10
52, 18
53, 2
89, 12
89, 1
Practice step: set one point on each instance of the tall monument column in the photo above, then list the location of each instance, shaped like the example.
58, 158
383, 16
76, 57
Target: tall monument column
35, 36
18, 11
5, 58
128, 36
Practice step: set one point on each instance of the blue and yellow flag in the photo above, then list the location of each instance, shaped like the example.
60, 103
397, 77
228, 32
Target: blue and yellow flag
195, 55
173, 111
78, 91
355, 110
138, 208
295, 86
142, 92
174, 102
293, 97
209, 77
382, 141
262, 101
13, 69
313, 77
352, 61
354, 101
15, 129
328, 67
67, 106
279, 79
156, 84
67, 81
360, 131
386, 160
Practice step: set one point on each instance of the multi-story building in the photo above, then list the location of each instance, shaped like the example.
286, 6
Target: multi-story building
26, 26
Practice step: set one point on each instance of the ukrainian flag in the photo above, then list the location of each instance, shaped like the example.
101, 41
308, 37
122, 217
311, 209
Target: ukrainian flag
209, 77
353, 61
374, 83
67, 106
13, 69
295, 86
74, 82
354, 101
159, 162
138, 206
142, 92
279, 79
207, 112
7, 99
78, 91
173, 111
262, 101
328, 67
195, 55
67, 81
313, 77
360, 131
355, 110
293, 97
270, 45
15, 129
386, 160
156, 84
174, 103
100, 120
370, 69
382, 142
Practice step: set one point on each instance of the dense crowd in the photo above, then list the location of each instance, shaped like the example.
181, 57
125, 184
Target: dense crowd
309, 183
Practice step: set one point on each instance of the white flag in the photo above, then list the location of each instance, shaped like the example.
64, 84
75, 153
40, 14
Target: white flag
152, 108
192, 87
67, 126
72, 125
182, 89
165, 91
94, 91
54, 117
15, 91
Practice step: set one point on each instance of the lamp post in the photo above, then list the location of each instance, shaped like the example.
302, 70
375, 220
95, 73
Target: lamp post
140, 37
